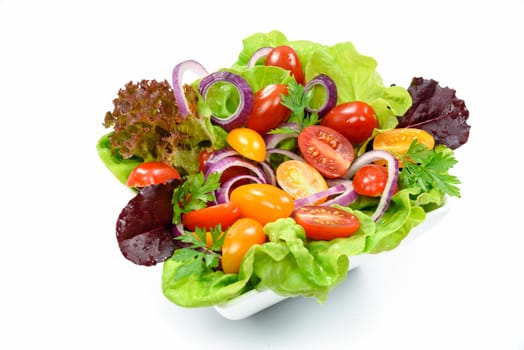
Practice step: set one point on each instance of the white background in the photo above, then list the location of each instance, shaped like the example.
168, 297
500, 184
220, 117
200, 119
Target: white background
63, 281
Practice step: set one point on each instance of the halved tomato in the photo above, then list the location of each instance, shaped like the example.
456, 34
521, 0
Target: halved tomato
300, 179
398, 140
325, 222
326, 149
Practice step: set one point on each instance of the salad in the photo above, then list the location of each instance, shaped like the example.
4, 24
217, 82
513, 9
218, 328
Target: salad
272, 173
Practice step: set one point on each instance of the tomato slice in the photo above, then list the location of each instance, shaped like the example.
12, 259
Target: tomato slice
149, 173
224, 214
300, 179
325, 222
398, 140
326, 149
248, 143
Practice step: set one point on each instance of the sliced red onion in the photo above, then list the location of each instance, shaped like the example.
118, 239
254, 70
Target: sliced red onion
218, 155
289, 154
331, 93
258, 54
313, 198
389, 189
178, 85
269, 171
232, 161
245, 104
346, 197
272, 140
222, 194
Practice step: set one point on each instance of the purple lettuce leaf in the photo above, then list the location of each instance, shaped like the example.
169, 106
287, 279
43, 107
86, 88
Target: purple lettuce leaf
437, 110
144, 226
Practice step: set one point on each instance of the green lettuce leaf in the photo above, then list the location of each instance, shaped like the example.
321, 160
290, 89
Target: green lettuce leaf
118, 166
291, 265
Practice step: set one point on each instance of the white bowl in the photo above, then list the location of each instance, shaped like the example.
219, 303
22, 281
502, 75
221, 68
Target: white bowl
255, 301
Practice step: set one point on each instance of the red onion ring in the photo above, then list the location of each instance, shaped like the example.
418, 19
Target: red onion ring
270, 173
222, 194
245, 105
389, 189
178, 86
313, 198
223, 164
331, 93
258, 54
289, 154
272, 140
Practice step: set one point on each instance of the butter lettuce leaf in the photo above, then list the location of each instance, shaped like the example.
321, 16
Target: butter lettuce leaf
291, 265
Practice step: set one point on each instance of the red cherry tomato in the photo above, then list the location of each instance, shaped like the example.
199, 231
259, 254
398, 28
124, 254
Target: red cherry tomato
286, 57
326, 149
207, 218
149, 173
262, 202
325, 222
268, 111
355, 120
370, 180
241, 236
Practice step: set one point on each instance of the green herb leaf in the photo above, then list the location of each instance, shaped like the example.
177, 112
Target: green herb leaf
426, 168
194, 193
198, 258
297, 101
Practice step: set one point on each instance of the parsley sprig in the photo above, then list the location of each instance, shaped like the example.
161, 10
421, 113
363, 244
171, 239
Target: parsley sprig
297, 101
194, 193
199, 257
429, 168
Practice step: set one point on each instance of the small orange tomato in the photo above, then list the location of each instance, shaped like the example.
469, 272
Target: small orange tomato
248, 143
300, 179
262, 202
241, 236
399, 140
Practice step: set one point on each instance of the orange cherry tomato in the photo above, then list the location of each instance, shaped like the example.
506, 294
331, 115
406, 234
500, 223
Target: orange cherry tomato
149, 173
325, 222
248, 143
241, 236
300, 179
262, 202
398, 140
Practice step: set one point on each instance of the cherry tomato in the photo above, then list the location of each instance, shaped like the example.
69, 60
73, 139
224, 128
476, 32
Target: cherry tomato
248, 143
286, 57
241, 236
300, 179
262, 202
326, 149
356, 120
325, 222
221, 214
370, 180
149, 173
398, 140
268, 111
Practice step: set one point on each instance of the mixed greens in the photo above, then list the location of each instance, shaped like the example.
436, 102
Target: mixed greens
150, 124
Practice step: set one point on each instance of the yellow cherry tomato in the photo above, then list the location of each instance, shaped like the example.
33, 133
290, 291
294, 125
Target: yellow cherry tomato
262, 202
300, 179
248, 143
241, 236
398, 140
